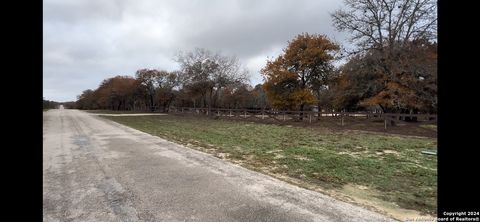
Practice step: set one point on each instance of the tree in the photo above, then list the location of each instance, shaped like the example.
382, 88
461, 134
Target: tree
358, 79
236, 96
396, 51
150, 88
412, 87
376, 24
86, 100
206, 73
69, 105
302, 70
148, 85
259, 97
156, 87
166, 82
115, 93
47, 104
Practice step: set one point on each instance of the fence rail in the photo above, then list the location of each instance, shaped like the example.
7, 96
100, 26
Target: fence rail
304, 116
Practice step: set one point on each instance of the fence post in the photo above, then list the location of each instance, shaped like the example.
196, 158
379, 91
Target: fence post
263, 114
230, 113
385, 120
309, 117
283, 115
245, 114
342, 118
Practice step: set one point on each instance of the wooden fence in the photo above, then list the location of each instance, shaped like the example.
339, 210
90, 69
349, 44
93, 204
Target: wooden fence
304, 116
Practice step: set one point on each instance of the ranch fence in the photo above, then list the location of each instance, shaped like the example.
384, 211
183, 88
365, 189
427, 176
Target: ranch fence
389, 119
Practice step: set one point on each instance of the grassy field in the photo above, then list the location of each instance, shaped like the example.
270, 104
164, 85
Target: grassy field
103, 111
429, 126
391, 166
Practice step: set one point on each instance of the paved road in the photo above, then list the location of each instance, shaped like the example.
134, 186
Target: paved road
98, 170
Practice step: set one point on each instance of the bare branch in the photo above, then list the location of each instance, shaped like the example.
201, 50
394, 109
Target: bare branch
384, 23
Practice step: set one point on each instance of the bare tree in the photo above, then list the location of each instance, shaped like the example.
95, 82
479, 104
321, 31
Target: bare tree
376, 24
148, 81
206, 73
167, 82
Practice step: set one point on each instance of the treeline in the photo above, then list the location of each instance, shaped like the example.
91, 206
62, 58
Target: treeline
206, 79
47, 104
70, 105
392, 69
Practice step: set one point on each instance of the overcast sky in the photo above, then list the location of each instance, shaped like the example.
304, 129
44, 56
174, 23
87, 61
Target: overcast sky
87, 41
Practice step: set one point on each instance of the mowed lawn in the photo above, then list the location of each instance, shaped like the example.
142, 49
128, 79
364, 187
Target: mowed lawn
393, 166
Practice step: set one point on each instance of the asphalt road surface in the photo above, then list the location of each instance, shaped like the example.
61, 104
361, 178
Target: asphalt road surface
98, 170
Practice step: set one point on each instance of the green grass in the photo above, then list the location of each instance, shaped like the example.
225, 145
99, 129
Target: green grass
429, 126
391, 165
103, 111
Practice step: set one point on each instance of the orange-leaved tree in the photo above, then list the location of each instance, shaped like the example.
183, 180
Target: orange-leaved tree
402, 80
412, 83
296, 78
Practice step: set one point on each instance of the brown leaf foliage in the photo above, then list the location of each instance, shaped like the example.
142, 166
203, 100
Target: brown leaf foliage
304, 66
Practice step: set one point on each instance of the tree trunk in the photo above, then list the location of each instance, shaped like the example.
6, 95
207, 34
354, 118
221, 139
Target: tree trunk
215, 97
204, 97
151, 103
411, 119
210, 100
319, 111
301, 111
385, 110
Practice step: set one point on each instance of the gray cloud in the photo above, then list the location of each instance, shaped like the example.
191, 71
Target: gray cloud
86, 41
